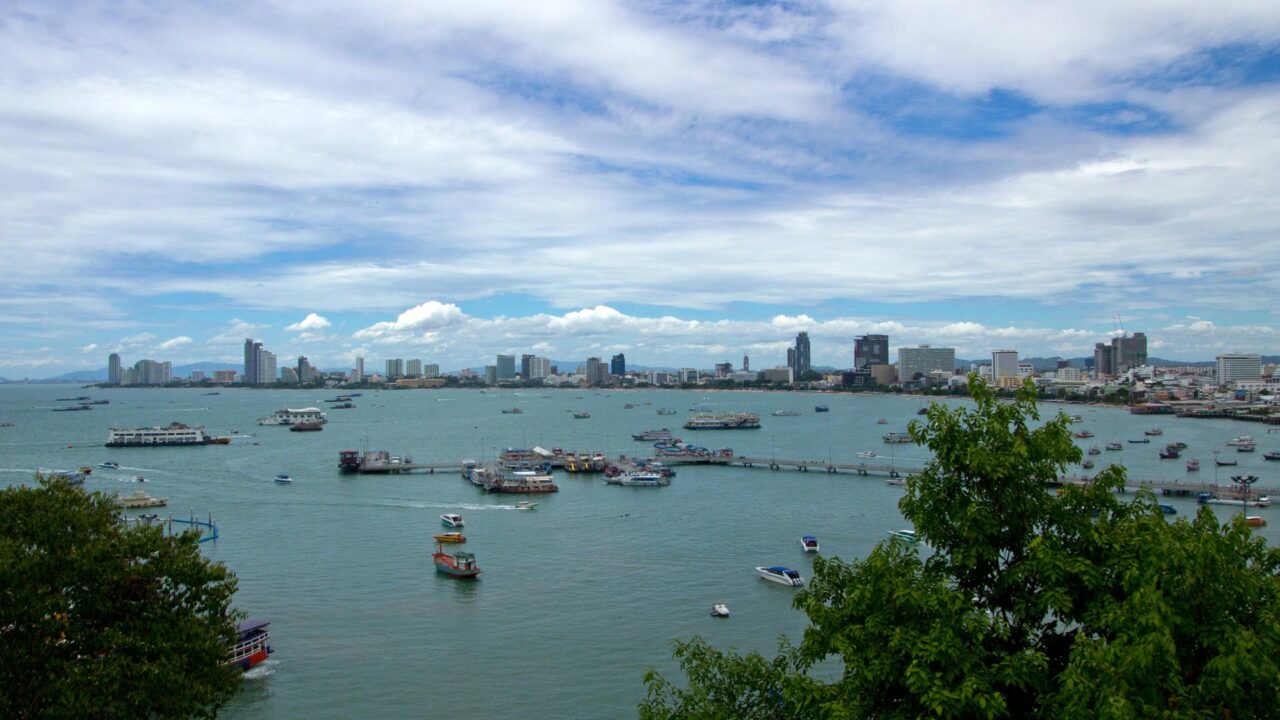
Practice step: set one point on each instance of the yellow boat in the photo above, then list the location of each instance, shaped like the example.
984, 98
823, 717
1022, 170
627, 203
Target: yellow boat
451, 537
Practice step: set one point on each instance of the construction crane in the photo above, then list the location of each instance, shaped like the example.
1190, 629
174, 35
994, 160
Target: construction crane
1119, 325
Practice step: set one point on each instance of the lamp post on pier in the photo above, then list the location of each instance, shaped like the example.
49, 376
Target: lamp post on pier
1244, 481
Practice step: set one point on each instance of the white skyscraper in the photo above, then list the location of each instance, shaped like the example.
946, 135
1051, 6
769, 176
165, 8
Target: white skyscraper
1239, 366
1004, 364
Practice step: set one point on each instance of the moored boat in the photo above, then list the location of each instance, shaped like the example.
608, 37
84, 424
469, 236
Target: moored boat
904, 535
723, 421
1255, 521
251, 645
294, 416
781, 575
1273, 455
639, 478
140, 499
649, 435
895, 438
283, 479
821, 408
1084, 434
809, 543
581, 414
512, 411
450, 537
786, 413
1193, 465
1114, 446
451, 520
306, 427
720, 610
1242, 440
170, 435
1153, 431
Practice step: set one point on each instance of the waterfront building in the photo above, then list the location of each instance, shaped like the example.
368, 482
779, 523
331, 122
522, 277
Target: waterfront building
595, 371
1004, 364
540, 368
395, 368
197, 376
115, 373
1026, 369
413, 368
688, 376
1237, 367
1102, 361
723, 370
148, 372
1128, 352
306, 373
924, 360
490, 374
251, 350
779, 375
431, 370
746, 364
358, 375
266, 367
505, 367
871, 350
885, 374
224, 376
1069, 374
618, 366
526, 366
289, 376
800, 361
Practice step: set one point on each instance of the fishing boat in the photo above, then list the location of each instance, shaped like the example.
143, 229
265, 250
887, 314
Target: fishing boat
1095, 451
450, 537
1153, 431
904, 535
1226, 463
581, 414
251, 645
1193, 465
1273, 455
451, 520
781, 575
720, 610
283, 479
809, 543
1084, 434
821, 408
1140, 442
1242, 440
109, 465
1170, 453
1114, 446
1245, 448
1087, 464
512, 411
457, 564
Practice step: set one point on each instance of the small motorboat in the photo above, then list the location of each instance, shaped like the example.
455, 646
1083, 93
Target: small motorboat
1226, 463
149, 517
283, 479
809, 543
1168, 509
1153, 431
904, 535
512, 411
1255, 521
1095, 450
138, 478
781, 575
1245, 448
821, 408
882, 421
451, 537
866, 454
1273, 455
581, 414
1114, 446
526, 505
1084, 434
1193, 466
1087, 464
719, 610
109, 465
451, 520
1139, 442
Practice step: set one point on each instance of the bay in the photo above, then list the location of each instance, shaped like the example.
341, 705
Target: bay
579, 597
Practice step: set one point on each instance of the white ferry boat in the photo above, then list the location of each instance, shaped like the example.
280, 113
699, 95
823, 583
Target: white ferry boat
723, 421
172, 434
291, 416
639, 479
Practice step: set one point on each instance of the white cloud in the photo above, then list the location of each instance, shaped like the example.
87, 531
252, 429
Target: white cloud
89, 348
311, 322
174, 343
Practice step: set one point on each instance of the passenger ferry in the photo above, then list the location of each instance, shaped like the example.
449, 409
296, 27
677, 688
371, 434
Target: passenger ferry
251, 645
895, 438
663, 434
291, 416
172, 434
523, 482
639, 478
723, 421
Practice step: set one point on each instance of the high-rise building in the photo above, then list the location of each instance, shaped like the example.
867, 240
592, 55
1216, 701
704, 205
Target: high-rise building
305, 372
431, 370
1233, 367
395, 368
413, 368
359, 373
688, 376
746, 364
871, 350
1004, 364
1102, 360
618, 365
506, 365
490, 374
791, 360
539, 367
802, 355
723, 370
114, 372
251, 350
266, 365
289, 376
1128, 352
526, 369
595, 371
148, 372
923, 360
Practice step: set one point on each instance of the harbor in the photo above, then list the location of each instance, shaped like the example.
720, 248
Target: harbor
341, 562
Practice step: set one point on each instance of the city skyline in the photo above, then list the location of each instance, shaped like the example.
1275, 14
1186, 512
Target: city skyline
684, 185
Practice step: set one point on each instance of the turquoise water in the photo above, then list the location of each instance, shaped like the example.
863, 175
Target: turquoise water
579, 597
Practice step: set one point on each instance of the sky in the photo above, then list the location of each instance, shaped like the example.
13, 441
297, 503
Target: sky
683, 182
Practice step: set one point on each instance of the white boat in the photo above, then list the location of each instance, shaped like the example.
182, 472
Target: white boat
781, 575
139, 478
451, 520
786, 413
295, 416
140, 499
171, 434
526, 505
809, 543
109, 465
639, 478
894, 438
904, 535
866, 454
1209, 499
283, 479
1241, 441
719, 610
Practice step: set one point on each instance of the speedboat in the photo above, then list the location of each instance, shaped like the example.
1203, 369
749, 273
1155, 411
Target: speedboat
821, 408
139, 478
450, 537
781, 575
904, 535
719, 610
283, 479
866, 454
526, 505
109, 465
809, 543
451, 520
1168, 509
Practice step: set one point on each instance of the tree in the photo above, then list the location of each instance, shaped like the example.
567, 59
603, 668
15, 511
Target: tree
1030, 604
102, 620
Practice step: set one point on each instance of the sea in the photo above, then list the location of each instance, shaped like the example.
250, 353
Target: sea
579, 597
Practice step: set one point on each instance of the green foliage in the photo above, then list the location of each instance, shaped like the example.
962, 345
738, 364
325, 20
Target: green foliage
1025, 604
101, 620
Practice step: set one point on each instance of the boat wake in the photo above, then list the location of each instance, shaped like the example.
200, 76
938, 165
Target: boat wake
447, 506
264, 669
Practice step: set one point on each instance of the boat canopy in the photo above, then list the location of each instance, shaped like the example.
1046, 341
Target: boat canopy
783, 570
251, 624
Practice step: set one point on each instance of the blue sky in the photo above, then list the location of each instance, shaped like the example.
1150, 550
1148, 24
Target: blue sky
686, 182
